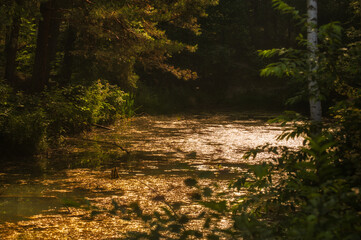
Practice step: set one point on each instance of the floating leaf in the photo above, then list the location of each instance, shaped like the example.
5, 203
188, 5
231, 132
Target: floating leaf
220, 206
207, 192
190, 182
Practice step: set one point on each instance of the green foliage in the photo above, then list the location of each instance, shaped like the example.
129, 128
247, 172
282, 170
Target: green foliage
27, 39
73, 109
22, 122
31, 122
128, 106
294, 63
284, 8
132, 33
312, 197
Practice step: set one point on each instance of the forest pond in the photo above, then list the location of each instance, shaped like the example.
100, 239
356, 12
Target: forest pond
69, 194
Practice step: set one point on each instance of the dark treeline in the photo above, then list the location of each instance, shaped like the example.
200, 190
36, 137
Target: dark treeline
227, 62
49, 43
98, 60
153, 45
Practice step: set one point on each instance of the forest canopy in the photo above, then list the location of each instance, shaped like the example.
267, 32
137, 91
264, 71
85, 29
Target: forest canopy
88, 40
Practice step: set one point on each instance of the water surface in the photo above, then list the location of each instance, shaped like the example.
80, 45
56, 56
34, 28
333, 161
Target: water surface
55, 198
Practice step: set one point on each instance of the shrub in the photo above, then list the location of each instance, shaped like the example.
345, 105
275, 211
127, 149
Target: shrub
23, 123
32, 122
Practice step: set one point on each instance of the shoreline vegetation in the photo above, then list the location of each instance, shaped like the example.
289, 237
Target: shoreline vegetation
34, 122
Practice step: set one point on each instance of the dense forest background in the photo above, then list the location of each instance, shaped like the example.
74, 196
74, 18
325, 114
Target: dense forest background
69, 64
183, 53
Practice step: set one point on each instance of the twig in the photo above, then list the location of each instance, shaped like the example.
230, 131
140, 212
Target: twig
165, 202
105, 142
18, 196
101, 126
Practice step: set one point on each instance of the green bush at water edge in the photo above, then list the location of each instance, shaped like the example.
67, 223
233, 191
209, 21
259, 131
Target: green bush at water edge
29, 123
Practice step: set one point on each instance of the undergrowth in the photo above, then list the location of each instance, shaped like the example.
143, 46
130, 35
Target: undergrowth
31, 123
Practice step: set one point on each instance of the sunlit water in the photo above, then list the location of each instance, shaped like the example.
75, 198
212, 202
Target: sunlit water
53, 199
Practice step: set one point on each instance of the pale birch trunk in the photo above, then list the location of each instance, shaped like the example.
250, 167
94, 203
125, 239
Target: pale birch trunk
314, 92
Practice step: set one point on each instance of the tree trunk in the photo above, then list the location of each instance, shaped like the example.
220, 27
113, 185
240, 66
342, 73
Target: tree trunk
46, 44
11, 47
66, 70
359, 3
314, 92
54, 35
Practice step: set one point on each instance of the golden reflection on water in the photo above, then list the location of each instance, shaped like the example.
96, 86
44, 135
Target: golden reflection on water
164, 150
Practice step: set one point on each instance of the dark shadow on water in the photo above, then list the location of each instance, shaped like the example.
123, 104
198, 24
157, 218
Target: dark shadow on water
22, 166
17, 208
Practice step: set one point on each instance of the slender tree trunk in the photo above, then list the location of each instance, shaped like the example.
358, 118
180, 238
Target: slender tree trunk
359, 3
54, 35
314, 92
66, 70
41, 64
11, 46
46, 44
